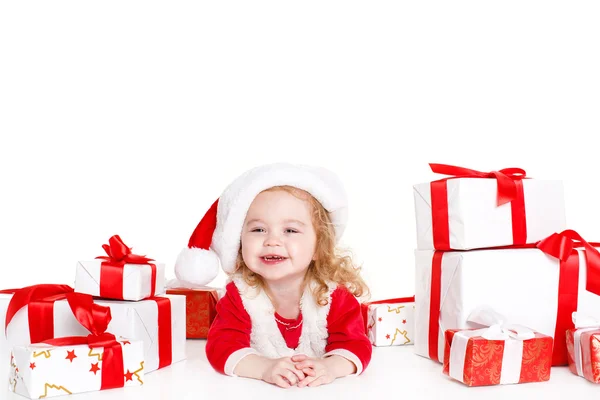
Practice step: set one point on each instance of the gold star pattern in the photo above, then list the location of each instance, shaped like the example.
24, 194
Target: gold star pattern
92, 354
45, 353
137, 371
396, 309
13, 382
403, 333
51, 386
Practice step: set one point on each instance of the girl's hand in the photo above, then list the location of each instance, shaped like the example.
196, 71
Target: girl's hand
282, 372
318, 371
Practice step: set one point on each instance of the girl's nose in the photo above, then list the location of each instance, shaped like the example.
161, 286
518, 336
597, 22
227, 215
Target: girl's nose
273, 240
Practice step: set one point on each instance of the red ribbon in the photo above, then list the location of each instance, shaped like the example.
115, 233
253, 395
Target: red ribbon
165, 338
562, 246
510, 190
435, 304
365, 307
95, 318
111, 270
40, 299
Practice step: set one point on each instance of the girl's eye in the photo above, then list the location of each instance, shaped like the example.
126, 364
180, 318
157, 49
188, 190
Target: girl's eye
291, 231
257, 230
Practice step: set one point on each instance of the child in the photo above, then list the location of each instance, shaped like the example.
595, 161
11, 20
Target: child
289, 316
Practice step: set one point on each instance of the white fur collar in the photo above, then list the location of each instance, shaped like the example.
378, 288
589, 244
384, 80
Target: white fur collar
265, 336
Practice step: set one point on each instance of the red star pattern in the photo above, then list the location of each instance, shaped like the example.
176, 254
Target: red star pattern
11, 358
387, 336
403, 321
17, 370
125, 342
95, 368
70, 355
128, 376
32, 365
379, 319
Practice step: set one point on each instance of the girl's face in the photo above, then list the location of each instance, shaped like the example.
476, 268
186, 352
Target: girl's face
278, 237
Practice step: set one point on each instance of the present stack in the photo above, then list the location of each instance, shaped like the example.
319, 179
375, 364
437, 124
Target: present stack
54, 350
490, 239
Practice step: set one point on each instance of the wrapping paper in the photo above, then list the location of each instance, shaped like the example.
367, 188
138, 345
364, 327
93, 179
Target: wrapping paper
200, 310
42, 370
159, 325
479, 361
583, 346
390, 322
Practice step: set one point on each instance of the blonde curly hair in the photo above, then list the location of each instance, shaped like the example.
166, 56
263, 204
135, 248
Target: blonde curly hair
331, 264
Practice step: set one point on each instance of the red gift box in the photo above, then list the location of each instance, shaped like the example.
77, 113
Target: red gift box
201, 309
583, 347
497, 354
485, 361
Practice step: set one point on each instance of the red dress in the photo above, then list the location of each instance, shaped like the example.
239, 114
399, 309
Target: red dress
230, 332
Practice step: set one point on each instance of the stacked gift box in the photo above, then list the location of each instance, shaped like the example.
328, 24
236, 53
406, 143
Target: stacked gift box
498, 240
117, 324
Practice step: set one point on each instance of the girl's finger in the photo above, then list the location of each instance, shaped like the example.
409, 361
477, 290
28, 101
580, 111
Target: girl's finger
291, 377
296, 372
306, 381
281, 382
305, 364
309, 372
318, 381
299, 357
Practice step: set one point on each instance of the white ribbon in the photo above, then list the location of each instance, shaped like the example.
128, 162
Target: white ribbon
513, 336
583, 323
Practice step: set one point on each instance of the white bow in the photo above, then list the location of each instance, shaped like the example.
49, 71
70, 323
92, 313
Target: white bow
496, 328
583, 323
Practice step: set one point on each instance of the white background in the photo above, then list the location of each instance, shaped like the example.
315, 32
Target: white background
131, 117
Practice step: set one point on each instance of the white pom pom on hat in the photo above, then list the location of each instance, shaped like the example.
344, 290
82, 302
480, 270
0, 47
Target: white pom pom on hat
217, 237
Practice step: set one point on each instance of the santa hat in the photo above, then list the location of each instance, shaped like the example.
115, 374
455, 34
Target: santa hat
217, 237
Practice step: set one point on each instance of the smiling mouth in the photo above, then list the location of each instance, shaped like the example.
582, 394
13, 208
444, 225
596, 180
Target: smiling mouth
272, 259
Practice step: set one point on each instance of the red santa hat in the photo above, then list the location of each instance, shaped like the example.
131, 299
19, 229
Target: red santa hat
217, 238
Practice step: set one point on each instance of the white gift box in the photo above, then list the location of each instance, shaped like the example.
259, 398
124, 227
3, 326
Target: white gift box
137, 279
135, 320
42, 370
139, 320
521, 284
391, 323
476, 221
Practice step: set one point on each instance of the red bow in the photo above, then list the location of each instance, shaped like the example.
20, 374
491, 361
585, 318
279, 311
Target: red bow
118, 252
95, 318
47, 293
561, 245
111, 270
507, 189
